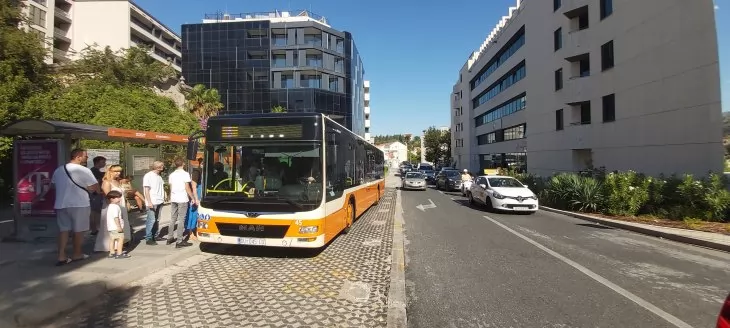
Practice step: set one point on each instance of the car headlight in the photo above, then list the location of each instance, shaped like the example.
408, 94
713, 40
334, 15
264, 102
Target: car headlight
308, 229
533, 197
497, 195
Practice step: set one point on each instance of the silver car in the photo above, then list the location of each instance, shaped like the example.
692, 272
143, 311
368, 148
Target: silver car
414, 180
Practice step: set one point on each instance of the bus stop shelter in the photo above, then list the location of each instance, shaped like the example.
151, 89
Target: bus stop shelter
40, 146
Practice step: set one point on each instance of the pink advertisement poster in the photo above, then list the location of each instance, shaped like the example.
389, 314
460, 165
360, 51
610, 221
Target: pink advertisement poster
35, 162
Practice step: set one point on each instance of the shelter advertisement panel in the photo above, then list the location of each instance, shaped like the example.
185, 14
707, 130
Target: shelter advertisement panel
35, 161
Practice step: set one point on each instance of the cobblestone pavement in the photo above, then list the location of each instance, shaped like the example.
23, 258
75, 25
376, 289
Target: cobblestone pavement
346, 285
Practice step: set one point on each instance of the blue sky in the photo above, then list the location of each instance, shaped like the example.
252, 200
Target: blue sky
412, 51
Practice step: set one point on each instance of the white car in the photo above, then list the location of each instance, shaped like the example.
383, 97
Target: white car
502, 193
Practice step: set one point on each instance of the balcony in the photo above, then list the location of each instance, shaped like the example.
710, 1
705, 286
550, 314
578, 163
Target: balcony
367, 123
60, 55
577, 43
145, 32
574, 8
577, 90
62, 15
367, 97
367, 110
61, 34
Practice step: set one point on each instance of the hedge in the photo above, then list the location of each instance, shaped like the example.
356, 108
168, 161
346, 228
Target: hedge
630, 194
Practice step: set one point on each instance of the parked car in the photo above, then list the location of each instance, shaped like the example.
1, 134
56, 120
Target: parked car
425, 167
723, 320
448, 179
414, 180
502, 193
430, 176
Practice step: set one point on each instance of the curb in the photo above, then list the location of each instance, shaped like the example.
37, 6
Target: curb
643, 230
397, 292
67, 300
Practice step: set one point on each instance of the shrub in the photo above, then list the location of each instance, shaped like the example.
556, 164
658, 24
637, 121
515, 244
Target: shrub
625, 193
572, 192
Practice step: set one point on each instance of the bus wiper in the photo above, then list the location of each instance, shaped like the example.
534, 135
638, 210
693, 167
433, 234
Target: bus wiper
295, 204
219, 200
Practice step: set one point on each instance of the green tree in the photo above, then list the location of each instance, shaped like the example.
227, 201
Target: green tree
278, 109
22, 74
203, 103
438, 145
133, 66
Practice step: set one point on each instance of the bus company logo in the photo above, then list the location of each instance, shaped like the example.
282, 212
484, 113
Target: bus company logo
250, 227
251, 214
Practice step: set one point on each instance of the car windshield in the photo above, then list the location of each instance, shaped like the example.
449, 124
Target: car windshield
414, 175
505, 183
451, 174
248, 172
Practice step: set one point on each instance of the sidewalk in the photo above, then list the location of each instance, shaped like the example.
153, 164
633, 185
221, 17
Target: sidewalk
699, 238
34, 290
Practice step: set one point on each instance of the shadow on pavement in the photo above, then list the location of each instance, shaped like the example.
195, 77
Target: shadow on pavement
257, 251
106, 310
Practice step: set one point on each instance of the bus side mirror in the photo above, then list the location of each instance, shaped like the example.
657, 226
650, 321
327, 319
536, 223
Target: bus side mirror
192, 149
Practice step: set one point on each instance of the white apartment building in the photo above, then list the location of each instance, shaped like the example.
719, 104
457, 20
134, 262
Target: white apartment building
368, 136
620, 84
395, 153
69, 26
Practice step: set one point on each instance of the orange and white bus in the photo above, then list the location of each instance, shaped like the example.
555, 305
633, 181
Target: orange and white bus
284, 179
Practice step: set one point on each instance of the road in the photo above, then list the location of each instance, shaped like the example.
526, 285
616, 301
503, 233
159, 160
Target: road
466, 267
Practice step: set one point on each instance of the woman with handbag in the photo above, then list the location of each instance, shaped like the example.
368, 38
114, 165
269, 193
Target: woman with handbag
111, 182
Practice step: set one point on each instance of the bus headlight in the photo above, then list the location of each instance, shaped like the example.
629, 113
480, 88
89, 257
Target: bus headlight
308, 229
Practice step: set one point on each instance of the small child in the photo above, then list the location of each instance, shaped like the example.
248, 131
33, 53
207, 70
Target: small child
115, 225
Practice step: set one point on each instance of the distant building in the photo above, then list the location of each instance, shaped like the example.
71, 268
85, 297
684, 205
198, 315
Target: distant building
395, 153
67, 27
565, 86
292, 59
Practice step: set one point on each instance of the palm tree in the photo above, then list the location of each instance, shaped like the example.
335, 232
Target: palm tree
203, 103
278, 109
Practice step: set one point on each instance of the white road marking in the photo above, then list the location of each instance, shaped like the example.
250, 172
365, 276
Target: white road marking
625, 293
6, 221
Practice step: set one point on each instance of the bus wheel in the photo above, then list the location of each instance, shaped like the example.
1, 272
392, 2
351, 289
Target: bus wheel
349, 216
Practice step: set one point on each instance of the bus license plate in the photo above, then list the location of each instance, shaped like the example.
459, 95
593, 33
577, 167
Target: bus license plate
252, 241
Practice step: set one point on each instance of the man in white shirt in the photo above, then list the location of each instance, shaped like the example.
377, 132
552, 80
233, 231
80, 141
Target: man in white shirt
73, 182
154, 195
180, 196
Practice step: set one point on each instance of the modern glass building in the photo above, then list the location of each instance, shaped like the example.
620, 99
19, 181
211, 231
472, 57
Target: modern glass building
259, 61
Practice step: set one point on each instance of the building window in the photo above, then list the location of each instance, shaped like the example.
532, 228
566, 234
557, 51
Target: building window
37, 16
559, 79
507, 108
559, 120
514, 44
558, 39
340, 46
511, 133
606, 8
287, 81
314, 60
607, 58
278, 60
334, 83
514, 133
585, 113
512, 77
311, 81
278, 39
609, 108
556, 4
583, 21
339, 65
313, 40
584, 66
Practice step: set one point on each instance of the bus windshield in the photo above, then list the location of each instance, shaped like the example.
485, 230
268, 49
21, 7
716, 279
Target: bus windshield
244, 172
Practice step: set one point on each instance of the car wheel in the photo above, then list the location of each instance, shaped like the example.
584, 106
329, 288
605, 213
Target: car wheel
488, 202
471, 198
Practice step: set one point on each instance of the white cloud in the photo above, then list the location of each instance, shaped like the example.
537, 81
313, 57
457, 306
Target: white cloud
717, 7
